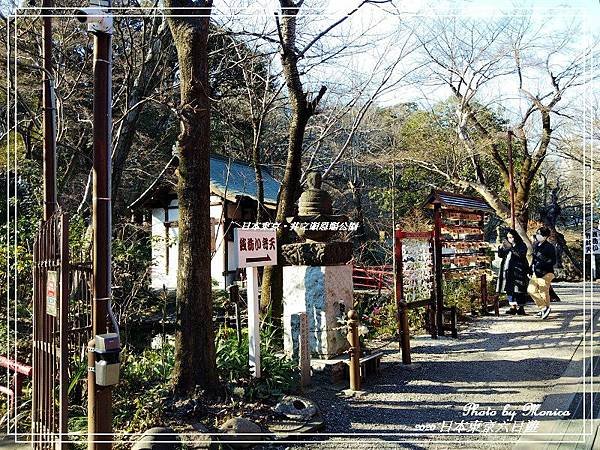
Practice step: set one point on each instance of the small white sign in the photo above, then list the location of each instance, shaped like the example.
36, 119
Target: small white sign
255, 248
51, 294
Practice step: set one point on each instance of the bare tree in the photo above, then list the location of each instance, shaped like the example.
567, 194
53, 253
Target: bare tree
303, 106
475, 60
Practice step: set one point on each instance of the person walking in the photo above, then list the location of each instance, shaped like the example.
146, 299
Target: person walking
513, 278
544, 259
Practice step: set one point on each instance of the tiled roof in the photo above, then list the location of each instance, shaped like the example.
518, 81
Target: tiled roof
229, 179
458, 201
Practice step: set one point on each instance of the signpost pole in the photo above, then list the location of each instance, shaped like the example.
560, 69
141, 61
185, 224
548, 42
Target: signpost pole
253, 321
254, 248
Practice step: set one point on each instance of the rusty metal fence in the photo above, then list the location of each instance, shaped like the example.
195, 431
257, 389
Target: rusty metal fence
80, 311
50, 331
62, 326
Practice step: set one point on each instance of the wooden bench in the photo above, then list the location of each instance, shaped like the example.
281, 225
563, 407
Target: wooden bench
369, 364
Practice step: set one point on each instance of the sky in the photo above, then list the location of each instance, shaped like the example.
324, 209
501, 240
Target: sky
558, 13
379, 24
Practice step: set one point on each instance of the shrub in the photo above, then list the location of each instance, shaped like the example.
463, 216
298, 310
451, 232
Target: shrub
279, 375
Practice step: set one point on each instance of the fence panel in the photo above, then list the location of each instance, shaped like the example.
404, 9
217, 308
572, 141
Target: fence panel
50, 334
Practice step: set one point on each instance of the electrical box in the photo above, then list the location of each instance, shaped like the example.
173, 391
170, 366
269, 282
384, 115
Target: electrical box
107, 342
107, 350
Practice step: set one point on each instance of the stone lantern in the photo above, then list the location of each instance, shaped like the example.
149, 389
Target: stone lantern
317, 278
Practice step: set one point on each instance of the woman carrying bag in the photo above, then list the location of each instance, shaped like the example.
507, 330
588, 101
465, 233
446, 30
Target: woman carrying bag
513, 278
544, 259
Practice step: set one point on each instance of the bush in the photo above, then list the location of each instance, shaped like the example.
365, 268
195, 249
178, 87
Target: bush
279, 375
460, 292
144, 387
378, 313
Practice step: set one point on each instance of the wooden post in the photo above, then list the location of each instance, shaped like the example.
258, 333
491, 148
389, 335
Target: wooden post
253, 321
437, 262
303, 350
234, 297
483, 291
398, 292
404, 334
453, 321
354, 351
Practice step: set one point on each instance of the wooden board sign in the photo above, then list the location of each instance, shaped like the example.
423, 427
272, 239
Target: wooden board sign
255, 248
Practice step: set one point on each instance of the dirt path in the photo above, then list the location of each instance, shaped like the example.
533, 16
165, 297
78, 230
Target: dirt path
495, 361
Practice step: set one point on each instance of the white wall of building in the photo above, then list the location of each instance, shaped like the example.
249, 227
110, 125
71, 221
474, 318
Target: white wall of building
165, 273
218, 253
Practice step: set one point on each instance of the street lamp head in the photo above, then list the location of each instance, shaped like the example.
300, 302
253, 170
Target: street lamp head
98, 19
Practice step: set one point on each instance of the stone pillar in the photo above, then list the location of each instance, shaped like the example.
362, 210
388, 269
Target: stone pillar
325, 293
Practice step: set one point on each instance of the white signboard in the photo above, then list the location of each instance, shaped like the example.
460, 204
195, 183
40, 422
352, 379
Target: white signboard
51, 294
592, 242
255, 248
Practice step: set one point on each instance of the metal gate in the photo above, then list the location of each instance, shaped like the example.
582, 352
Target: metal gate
50, 334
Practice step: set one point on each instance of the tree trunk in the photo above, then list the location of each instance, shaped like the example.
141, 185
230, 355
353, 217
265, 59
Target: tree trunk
302, 111
195, 358
272, 285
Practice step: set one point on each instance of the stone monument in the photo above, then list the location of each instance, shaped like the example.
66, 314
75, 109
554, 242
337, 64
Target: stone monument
316, 277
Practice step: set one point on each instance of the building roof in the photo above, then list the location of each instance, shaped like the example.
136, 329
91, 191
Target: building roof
457, 201
229, 179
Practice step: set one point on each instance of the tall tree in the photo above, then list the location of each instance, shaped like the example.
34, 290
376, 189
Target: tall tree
195, 358
467, 56
303, 106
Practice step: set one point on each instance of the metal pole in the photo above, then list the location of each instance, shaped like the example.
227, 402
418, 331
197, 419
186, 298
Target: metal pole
49, 117
511, 180
102, 223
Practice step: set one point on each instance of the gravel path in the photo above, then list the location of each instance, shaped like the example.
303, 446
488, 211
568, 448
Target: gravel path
495, 361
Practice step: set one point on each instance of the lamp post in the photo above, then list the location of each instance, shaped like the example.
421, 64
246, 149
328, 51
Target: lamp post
99, 22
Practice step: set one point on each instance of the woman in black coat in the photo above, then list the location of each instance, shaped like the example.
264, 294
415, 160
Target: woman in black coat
515, 271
